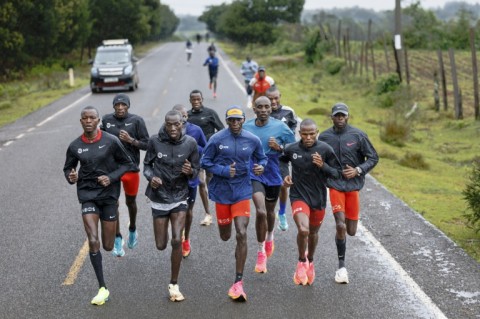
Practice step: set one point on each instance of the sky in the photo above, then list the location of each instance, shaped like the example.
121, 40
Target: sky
196, 7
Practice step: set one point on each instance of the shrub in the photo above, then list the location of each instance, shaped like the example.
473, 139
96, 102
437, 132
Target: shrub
395, 132
414, 160
333, 65
471, 194
387, 83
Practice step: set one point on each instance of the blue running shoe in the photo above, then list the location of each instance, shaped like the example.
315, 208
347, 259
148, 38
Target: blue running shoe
282, 222
118, 247
132, 239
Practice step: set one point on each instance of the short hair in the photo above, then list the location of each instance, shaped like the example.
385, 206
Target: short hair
260, 98
196, 92
88, 108
179, 107
272, 89
307, 122
173, 113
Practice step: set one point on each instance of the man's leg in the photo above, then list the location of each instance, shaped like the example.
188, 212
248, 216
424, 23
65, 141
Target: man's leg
177, 220
118, 250
261, 227
301, 219
282, 219
202, 189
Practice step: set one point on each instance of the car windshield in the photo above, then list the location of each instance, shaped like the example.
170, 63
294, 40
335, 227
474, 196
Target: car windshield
112, 57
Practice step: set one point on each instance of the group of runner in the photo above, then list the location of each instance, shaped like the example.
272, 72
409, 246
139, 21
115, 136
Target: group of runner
256, 160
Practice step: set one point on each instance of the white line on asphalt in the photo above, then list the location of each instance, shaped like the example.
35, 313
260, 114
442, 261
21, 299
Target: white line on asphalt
30, 129
235, 79
8, 143
48, 119
20, 136
419, 293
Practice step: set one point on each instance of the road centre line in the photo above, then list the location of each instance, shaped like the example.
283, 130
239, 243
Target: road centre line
76, 266
235, 79
48, 119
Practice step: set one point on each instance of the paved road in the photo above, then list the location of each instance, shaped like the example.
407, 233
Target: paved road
400, 266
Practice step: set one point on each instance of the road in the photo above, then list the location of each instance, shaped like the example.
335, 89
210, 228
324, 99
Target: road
400, 266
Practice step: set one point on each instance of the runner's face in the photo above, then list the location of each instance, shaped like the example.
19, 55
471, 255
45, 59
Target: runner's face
274, 98
262, 110
235, 125
196, 101
308, 135
261, 74
340, 120
121, 110
173, 126
89, 120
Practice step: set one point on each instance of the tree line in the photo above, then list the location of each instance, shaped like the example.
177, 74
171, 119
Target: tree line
41, 31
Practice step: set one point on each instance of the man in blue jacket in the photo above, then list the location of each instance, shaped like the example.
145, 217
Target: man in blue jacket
227, 156
357, 157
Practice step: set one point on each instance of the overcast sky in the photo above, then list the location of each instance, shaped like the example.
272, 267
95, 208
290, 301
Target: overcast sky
196, 7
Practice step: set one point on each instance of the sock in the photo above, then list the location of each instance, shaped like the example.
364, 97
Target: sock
118, 235
282, 208
173, 282
261, 247
310, 260
96, 260
302, 260
238, 277
341, 248
269, 236
132, 229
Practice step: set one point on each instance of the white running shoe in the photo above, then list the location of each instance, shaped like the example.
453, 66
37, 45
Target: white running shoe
341, 276
175, 294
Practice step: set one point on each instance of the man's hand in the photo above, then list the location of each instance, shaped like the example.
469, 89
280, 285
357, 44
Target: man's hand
317, 159
73, 176
349, 172
155, 182
232, 170
273, 144
258, 169
287, 181
125, 137
103, 180
187, 168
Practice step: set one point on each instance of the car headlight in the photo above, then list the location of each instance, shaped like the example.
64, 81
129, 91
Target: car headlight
128, 70
94, 71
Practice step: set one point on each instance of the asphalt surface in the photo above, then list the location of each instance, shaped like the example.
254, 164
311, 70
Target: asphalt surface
400, 266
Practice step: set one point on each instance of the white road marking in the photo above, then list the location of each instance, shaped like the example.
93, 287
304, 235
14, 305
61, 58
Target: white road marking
235, 79
20, 136
48, 119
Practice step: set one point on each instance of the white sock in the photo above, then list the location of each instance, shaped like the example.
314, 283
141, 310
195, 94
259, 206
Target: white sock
269, 236
261, 247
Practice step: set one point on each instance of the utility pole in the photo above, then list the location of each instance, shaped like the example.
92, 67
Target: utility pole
398, 37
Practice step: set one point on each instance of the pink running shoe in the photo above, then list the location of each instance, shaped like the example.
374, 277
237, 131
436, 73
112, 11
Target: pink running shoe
300, 276
261, 266
186, 249
310, 273
236, 292
269, 248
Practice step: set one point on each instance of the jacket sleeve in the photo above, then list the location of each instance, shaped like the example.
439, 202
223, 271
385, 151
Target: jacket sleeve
149, 160
331, 163
70, 162
201, 141
259, 154
125, 163
142, 135
208, 161
194, 160
370, 155
217, 123
284, 167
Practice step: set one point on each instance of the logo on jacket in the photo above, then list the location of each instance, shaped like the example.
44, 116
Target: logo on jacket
81, 150
295, 156
351, 143
127, 124
223, 146
160, 155
110, 125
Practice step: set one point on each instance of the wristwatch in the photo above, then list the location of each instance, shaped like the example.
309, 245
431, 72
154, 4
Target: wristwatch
359, 171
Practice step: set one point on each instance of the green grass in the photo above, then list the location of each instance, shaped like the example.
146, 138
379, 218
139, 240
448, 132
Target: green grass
445, 146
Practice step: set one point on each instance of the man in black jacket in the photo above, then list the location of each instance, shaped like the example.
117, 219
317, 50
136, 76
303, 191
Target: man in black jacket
209, 122
132, 132
312, 163
103, 160
171, 160
357, 157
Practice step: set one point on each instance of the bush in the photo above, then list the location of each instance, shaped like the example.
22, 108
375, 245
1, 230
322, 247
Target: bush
395, 132
333, 65
414, 160
387, 83
471, 194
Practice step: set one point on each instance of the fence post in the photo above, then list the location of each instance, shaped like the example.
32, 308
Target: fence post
474, 73
456, 89
407, 69
443, 79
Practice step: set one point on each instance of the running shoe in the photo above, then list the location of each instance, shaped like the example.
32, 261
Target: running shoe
207, 220
282, 222
101, 297
132, 239
341, 276
269, 248
310, 273
236, 292
175, 294
300, 276
214, 95
118, 247
261, 266
186, 248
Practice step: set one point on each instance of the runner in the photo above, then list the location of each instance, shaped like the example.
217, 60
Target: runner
171, 160
227, 156
260, 83
357, 157
274, 135
103, 160
287, 115
212, 62
196, 132
248, 70
210, 123
312, 162
133, 134
189, 50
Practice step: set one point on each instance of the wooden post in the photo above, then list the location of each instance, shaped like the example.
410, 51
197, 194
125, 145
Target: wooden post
474, 73
443, 78
407, 69
456, 89
373, 62
398, 37
397, 61
362, 47
387, 60
339, 37
349, 52
436, 97
345, 55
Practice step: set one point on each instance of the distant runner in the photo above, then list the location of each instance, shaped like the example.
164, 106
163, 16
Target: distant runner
212, 62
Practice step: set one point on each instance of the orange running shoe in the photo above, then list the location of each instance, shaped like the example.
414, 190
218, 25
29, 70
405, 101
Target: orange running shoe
236, 292
300, 276
269, 248
310, 273
186, 248
261, 266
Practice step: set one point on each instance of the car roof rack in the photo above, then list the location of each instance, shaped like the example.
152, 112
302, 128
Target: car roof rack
115, 42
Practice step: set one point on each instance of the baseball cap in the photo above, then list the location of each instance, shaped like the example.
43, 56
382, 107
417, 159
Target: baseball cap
261, 68
121, 98
234, 112
340, 108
